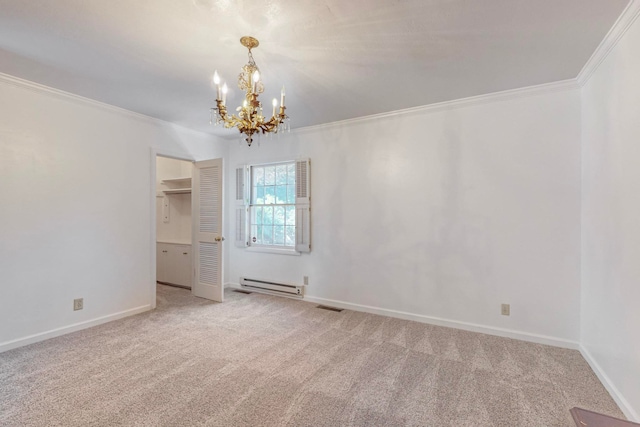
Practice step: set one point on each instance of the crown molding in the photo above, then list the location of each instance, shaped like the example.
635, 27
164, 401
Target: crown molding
524, 92
619, 28
68, 96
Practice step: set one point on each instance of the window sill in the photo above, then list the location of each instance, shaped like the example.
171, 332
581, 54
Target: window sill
271, 250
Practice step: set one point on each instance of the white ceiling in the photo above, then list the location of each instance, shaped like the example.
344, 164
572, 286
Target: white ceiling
338, 59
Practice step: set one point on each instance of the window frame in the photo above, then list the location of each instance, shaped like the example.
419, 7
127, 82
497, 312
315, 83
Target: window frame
269, 248
303, 236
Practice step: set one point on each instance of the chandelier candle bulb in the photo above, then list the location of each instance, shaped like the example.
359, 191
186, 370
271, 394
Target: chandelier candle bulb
216, 81
225, 89
282, 97
256, 78
275, 104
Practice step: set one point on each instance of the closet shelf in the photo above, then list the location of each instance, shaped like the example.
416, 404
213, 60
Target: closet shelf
177, 185
185, 180
177, 191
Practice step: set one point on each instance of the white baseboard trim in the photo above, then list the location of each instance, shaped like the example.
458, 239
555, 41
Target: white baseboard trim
472, 327
622, 403
20, 342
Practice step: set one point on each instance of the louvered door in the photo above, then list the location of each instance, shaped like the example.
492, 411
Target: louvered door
206, 197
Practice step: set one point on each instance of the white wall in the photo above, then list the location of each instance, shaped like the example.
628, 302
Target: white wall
445, 214
76, 216
611, 220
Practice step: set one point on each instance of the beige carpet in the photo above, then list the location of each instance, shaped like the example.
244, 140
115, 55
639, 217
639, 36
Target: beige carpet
259, 360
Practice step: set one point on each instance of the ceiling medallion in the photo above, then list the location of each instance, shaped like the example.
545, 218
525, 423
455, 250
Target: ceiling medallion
250, 119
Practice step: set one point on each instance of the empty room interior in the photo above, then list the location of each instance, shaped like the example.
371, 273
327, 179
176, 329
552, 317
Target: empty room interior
320, 213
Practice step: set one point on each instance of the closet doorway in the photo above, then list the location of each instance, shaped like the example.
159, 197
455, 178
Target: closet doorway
174, 256
187, 229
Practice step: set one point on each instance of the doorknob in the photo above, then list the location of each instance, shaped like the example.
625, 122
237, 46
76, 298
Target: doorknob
219, 239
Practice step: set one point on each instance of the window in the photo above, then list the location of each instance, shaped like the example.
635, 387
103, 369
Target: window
272, 207
273, 210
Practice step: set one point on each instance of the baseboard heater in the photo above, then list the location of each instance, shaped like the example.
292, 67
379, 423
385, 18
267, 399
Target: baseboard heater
273, 288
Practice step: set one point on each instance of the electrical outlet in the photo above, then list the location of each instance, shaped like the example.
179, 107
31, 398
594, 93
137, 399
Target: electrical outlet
506, 310
306, 280
78, 304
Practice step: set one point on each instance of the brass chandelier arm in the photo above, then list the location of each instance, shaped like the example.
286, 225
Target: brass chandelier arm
249, 121
249, 116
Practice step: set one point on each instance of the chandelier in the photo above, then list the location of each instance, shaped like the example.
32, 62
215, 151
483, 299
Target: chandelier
250, 119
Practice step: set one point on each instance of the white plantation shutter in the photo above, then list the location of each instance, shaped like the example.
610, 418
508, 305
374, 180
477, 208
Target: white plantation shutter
241, 227
241, 206
240, 182
303, 205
